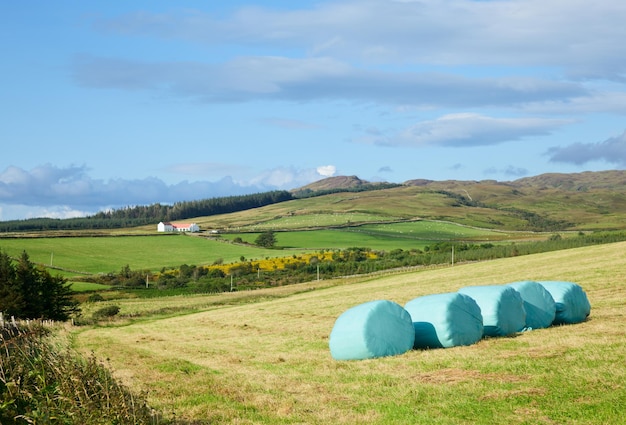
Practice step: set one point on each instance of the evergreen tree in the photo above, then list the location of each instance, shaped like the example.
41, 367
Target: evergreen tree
11, 300
30, 292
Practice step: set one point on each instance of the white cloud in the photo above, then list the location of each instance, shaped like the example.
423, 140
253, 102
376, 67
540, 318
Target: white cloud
285, 178
467, 129
22, 212
326, 170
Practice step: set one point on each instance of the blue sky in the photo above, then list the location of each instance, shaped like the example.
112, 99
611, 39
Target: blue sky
110, 104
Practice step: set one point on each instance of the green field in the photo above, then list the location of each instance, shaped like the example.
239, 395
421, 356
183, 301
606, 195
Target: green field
262, 357
387, 236
88, 287
110, 254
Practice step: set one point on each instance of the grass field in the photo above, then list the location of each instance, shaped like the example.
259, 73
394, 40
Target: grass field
88, 287
386, 236
110, 254
262, 356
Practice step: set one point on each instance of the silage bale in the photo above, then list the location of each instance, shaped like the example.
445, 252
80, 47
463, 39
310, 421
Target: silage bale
374, 329
501, 306
445, 320
572, 304
538, 303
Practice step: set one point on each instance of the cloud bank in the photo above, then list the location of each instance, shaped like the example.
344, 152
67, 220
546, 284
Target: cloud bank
450, 33
274, 78
612, 150
50, 191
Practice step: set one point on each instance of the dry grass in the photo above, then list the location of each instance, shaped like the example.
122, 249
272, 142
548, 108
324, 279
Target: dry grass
268, 362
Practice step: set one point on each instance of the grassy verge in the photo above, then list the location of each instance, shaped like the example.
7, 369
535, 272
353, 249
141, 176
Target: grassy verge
267, 361
42, 382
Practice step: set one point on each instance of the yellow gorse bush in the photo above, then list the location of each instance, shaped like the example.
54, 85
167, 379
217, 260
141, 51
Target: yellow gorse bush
278, 263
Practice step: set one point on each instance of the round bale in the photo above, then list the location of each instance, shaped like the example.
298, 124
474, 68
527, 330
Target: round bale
501, 306
538, 303
445, 320
572, 304
373, 329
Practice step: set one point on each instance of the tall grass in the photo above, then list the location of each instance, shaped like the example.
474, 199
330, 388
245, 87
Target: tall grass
42, 383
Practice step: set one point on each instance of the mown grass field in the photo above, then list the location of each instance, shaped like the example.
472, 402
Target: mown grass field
262, 357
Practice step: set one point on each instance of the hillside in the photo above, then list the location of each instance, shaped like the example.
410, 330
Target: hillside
549, 202
338, 182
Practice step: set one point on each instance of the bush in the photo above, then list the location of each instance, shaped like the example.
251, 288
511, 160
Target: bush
95, 298
106, 312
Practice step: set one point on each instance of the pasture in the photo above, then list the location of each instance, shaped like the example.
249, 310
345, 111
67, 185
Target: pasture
262, 356
110, 254
387, 236
104, 254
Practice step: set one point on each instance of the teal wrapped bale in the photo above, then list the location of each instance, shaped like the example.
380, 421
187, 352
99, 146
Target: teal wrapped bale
374, 329
538, 303
501, 306
445, 320
572, 304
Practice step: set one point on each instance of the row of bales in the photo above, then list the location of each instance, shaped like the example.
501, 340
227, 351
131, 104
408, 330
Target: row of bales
384, 328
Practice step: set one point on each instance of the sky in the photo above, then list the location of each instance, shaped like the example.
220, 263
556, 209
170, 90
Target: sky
112, 104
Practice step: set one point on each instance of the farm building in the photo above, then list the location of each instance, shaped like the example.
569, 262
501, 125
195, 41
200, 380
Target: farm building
178, 227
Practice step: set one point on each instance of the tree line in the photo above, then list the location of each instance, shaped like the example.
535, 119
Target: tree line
150, 214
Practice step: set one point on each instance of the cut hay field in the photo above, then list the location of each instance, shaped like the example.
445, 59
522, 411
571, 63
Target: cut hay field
262, 357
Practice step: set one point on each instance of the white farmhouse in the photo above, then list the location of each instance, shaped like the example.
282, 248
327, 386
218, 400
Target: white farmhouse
178, 227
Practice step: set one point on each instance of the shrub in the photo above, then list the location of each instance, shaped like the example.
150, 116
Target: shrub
106, 312
95, 298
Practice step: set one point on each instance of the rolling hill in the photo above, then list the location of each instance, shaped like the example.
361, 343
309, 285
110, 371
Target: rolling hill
549, 202
552, 202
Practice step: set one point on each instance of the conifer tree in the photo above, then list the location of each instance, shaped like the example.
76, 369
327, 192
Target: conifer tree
31, 292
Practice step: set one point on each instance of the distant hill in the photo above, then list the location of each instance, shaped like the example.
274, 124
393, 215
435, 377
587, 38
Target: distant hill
551, 202
338, 182
548, 202
613, 180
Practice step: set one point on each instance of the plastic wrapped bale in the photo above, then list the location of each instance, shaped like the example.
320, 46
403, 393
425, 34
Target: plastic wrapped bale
501, 306
445, 320
538, 303
572, 304
374, 329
